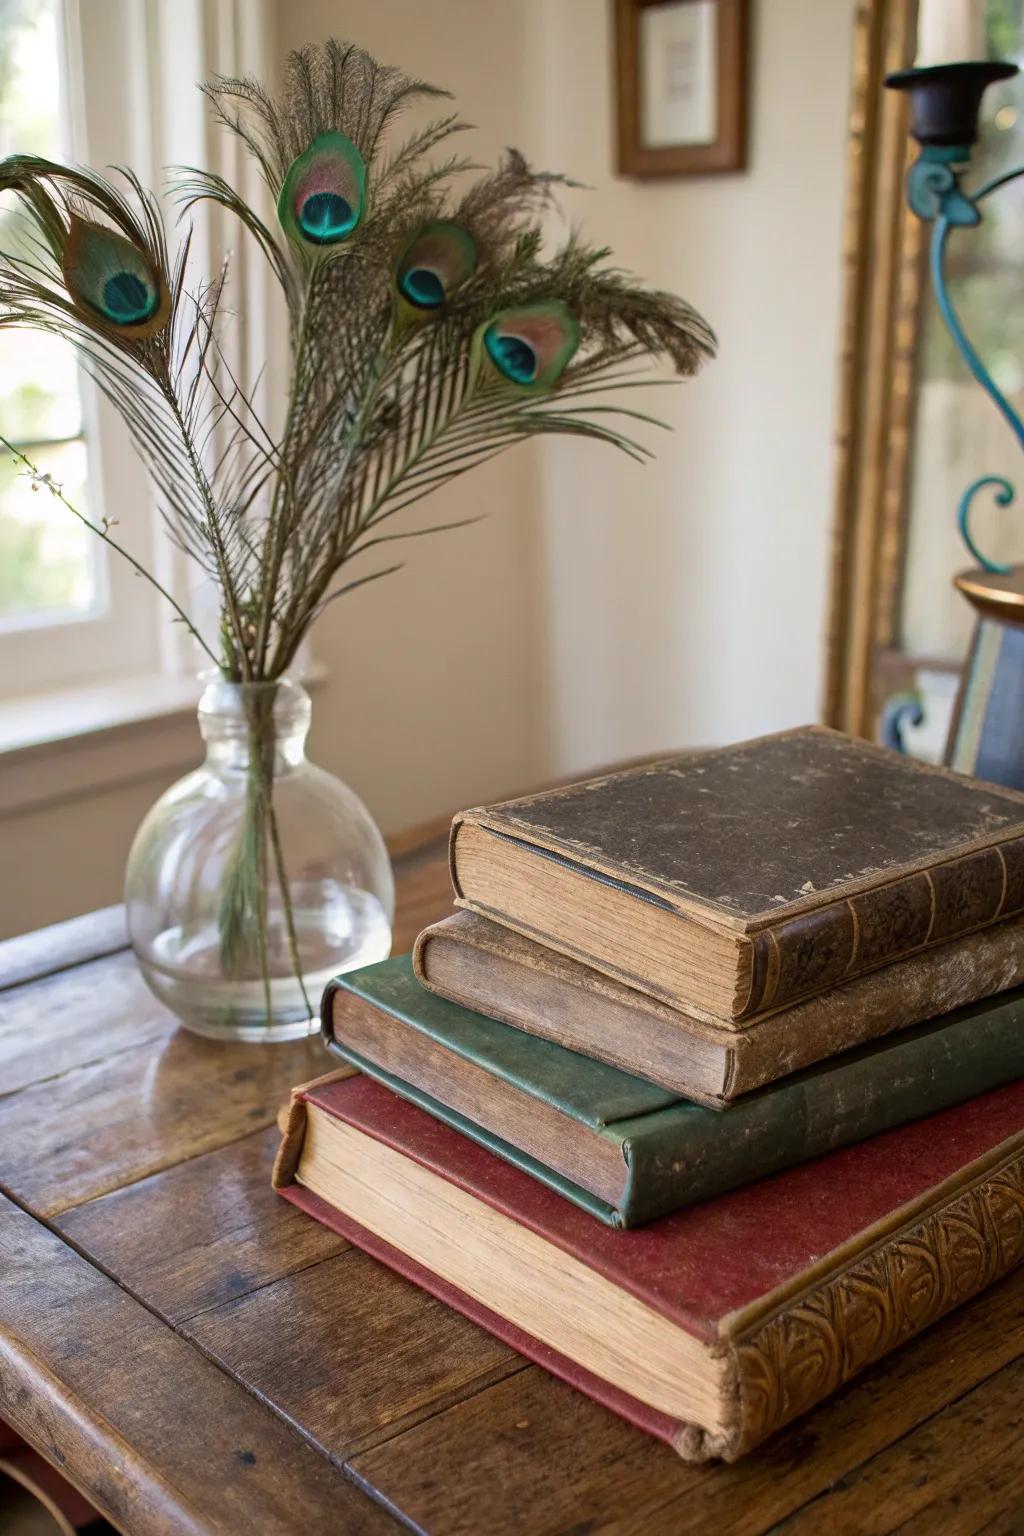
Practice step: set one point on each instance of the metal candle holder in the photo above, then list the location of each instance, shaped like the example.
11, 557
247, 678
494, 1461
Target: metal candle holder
944, 101
987, 734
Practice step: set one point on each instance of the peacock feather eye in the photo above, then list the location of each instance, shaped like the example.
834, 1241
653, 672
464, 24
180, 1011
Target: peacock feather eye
437, 261
108, 275
323, 196
531, 345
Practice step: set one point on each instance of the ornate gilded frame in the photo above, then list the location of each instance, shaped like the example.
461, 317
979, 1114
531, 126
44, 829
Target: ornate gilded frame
883, 255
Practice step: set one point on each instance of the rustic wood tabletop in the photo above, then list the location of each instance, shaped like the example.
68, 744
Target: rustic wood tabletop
198, 1356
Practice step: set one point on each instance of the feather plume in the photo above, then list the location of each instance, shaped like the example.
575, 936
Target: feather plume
323, 194
430, 330
101, 278
112, 278
530, 345
439, 259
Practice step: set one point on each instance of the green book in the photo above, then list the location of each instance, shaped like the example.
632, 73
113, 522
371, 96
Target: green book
623, 1148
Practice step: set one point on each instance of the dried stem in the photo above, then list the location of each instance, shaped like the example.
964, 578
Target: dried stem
102, 531
388, 402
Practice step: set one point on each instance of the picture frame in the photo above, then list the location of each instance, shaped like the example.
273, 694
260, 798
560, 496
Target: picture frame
681, 86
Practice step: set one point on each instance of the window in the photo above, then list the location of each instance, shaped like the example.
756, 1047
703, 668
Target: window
105, 83
50, 566
71, 613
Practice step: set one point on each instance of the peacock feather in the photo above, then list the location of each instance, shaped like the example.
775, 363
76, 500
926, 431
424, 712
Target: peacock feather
108, 256
323, 195
383, 409
530, 345
109, 276
434, 264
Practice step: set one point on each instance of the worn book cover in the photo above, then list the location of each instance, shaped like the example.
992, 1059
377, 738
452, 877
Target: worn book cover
498, 972
714, 1327
621, 1147
744, 879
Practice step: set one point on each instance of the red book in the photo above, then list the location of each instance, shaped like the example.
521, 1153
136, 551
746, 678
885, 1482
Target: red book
713, 1327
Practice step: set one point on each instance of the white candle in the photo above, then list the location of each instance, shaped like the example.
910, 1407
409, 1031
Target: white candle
950, 31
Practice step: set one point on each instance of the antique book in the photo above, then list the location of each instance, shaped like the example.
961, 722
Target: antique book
743, 879
623, 1149
496, 971
713, 1327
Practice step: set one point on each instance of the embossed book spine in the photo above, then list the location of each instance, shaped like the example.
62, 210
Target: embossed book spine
794, 1285
777, 869
818, 950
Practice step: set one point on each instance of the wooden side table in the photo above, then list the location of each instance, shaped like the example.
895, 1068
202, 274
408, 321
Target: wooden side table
197, 1356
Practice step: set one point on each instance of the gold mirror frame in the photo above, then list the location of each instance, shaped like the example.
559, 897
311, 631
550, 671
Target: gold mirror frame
884, 251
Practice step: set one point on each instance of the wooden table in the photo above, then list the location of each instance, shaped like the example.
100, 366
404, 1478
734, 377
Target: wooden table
198, 1356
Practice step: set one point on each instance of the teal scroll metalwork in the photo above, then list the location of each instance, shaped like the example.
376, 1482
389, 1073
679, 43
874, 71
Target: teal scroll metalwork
949, 198
1003, 498
901, 710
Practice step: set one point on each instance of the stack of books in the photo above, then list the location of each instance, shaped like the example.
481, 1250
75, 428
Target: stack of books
712, 1090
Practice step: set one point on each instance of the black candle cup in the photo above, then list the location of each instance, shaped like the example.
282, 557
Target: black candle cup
945, 99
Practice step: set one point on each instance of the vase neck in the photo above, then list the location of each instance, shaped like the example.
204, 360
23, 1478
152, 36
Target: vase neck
239, 721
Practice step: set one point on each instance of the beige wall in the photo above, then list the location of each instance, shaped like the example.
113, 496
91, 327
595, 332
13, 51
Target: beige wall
604, 609
601, 609
436, 692
687, 599
66, 858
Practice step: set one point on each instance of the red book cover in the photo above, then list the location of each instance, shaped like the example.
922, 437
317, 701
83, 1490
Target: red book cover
803, 1250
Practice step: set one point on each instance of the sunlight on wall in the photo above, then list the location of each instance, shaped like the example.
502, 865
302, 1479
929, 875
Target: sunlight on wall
599, 610
686, 600
605, 610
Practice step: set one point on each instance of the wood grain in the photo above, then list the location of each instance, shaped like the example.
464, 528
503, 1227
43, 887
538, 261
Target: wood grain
150, 1432
195, 1238
79, 1016
566, 1457
350, 1351
61, 946
108, 1124
424, 894
204, 1358
563, 1463
202, 1233
981, 1431
1009, 1523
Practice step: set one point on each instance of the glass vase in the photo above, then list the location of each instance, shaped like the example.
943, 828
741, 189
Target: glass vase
258, 877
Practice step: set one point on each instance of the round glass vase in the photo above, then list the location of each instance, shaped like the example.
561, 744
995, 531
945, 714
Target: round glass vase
258, 877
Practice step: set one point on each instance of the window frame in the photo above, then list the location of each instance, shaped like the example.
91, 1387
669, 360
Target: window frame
128, 88
118, 635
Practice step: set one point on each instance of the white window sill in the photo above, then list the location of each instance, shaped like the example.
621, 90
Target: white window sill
60, 746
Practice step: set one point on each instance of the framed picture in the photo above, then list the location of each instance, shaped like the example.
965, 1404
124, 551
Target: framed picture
681, 74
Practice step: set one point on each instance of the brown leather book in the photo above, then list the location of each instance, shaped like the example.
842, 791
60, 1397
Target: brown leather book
498, 972
741, 880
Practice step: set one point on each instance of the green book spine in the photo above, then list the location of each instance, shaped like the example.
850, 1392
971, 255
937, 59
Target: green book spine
677, 1152
675, 1161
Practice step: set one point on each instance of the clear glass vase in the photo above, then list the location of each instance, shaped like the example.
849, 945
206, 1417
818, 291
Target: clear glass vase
258, 877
